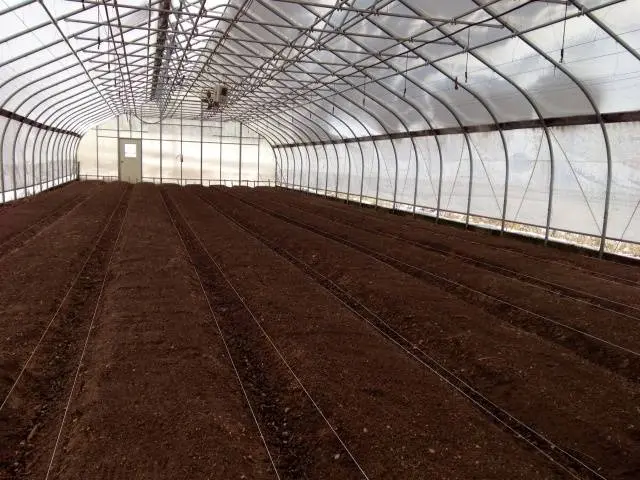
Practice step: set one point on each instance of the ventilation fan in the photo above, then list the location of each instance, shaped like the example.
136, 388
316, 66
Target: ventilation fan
213, 98
208, 99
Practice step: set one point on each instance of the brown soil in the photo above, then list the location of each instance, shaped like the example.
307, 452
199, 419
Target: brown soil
22, 220
613, 271
561, 310
204, 333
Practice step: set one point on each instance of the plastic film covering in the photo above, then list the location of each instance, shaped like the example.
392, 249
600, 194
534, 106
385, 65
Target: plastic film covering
172, 151
515, 114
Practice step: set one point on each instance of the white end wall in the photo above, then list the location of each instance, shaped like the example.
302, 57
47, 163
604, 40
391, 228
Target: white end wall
212, 153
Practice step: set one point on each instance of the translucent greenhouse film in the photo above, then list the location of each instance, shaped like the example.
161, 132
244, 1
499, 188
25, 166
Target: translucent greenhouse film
514, 114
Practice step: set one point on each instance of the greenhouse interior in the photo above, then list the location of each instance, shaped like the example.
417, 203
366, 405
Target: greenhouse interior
313, 239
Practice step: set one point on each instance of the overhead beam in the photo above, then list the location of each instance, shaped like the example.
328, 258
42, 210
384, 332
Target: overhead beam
575, 120
33, 123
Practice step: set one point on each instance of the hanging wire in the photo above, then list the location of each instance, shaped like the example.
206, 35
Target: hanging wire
564, 32
364, 91
99, 41
466, 67
406, 70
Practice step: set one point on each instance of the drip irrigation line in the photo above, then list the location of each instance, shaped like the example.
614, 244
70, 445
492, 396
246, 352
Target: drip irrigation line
426, 360
62, 302
390, 261
492, 267
522, 253
86, 341
274, 346
224, 341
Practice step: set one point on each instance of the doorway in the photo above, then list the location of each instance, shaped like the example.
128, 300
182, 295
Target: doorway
130, 160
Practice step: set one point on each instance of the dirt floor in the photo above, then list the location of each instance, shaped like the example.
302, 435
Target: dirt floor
214, 333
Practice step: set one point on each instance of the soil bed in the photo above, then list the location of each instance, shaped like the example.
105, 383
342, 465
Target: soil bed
22, 220
616, 272
222, 333
602, 333
530, 377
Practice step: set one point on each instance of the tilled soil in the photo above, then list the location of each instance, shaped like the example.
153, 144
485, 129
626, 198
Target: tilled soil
517, 371
601, 330
233, 333
462, 240
23, 219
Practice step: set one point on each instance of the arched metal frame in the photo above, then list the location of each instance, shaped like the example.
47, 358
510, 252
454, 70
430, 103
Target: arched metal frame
272, 90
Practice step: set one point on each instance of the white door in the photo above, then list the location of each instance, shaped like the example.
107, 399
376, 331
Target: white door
130, 158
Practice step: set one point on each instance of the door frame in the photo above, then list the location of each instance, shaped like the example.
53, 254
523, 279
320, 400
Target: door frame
121, 142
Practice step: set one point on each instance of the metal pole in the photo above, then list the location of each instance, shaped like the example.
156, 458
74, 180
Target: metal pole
201, 146
141, 147
439, 205
33, 168
220, 174
97, 153
161, 148
118, 146
181, 145
39, 159
240, 158
276, 153
308, 170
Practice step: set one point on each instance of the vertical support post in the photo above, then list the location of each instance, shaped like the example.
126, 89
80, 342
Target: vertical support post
201, 146
33, 170
293, 173
547, 229
337, 170
67, 157
97, 153
415, 183
306, 149
160, 148
240, 158
46, 160
470, 183
39, 160
13, 172
607, 196
439, 204
378, 175
76, 147
220, 174
118, 150
56, 145
346, 147
395, 181
326, 172
2, 162
315, 150
259, 141
54, 159
141, 147
181, 145
293, 169
275, 168
56, 155
61, 160
69, 162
